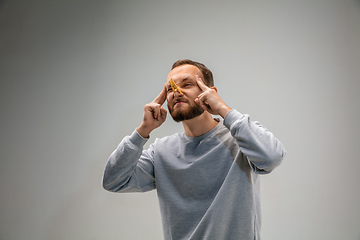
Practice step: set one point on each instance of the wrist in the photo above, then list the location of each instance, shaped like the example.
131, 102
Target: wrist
224, 110
144, 131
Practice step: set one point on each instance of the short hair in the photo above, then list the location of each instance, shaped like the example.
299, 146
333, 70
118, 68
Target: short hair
207, 74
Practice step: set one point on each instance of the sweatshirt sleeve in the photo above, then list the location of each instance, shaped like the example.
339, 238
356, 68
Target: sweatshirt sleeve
263, 151
129, 168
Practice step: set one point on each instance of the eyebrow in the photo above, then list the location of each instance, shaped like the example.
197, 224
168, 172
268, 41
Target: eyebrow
185, 79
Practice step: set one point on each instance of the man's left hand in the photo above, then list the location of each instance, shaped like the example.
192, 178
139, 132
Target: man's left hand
210, 100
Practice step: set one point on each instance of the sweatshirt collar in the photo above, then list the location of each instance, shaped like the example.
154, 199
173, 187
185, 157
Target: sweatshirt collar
206, 135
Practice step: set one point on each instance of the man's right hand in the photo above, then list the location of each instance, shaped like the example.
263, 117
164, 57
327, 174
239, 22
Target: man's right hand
154, 114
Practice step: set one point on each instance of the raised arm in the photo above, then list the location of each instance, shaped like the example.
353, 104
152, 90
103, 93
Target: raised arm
261, 148
129, 168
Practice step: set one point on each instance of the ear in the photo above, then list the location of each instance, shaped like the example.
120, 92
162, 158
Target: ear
213, 87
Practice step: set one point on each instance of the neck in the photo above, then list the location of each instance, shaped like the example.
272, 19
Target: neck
199, 125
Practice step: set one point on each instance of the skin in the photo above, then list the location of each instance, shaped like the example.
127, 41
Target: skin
194, 92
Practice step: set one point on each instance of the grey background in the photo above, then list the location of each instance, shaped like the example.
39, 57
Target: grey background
76, 74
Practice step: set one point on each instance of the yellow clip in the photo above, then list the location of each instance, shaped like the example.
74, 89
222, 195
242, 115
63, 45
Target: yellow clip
171, 85
174, 86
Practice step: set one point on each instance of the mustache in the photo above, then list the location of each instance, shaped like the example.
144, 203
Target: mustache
175, 100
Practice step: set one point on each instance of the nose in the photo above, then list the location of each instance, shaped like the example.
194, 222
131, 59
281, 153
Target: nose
177, 93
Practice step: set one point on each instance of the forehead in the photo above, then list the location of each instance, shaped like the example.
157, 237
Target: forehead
183, 71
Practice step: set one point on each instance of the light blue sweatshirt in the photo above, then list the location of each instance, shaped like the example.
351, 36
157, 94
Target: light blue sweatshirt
208, 186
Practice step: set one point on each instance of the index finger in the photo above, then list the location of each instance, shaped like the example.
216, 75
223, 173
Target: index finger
161, 98
200, 83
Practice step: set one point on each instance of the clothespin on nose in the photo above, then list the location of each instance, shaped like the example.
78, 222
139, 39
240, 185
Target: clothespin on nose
174, 86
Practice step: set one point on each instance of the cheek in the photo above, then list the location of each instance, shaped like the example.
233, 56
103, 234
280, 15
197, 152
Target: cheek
191, 94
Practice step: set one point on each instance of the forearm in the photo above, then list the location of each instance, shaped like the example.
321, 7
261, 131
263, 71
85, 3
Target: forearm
262, 149
122, 161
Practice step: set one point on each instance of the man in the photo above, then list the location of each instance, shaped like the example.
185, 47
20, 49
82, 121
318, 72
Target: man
207, 177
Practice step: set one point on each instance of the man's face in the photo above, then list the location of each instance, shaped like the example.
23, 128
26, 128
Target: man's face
182, 106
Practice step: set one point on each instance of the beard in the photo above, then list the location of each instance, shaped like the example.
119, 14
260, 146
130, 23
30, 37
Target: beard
181, 115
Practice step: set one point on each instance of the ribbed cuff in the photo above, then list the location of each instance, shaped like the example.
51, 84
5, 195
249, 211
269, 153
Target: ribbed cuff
231, 117
137, 139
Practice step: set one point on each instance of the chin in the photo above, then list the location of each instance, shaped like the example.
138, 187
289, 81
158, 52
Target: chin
189, 113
